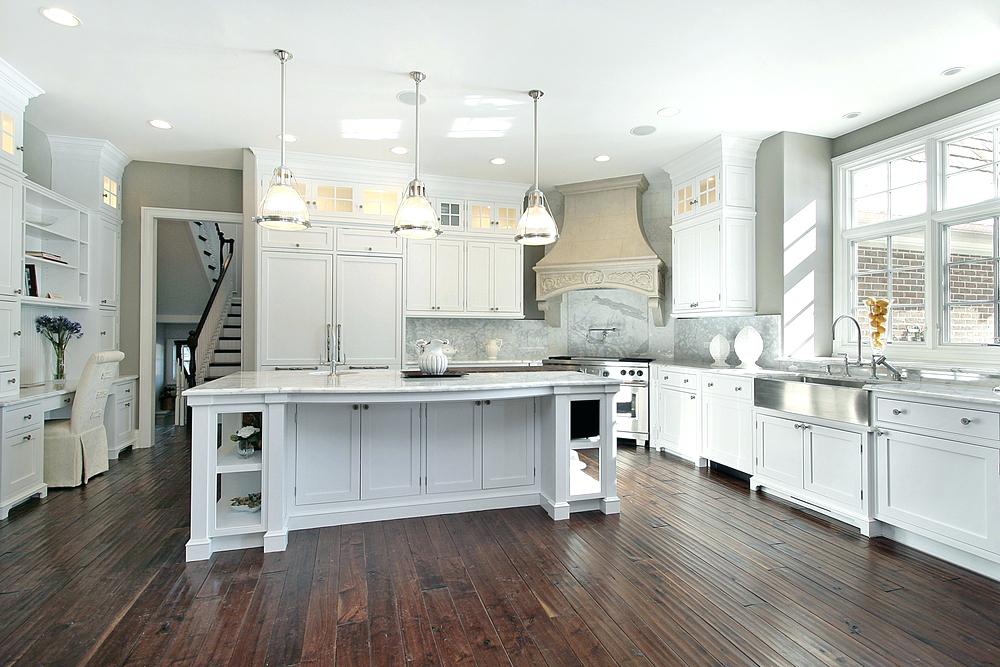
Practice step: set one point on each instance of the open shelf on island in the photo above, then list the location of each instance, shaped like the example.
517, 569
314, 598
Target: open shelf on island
227, 460
227, 519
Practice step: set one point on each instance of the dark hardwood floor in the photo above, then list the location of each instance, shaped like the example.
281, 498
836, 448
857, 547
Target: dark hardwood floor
696, 570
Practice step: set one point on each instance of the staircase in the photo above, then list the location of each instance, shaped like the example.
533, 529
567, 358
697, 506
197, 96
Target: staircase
225, 358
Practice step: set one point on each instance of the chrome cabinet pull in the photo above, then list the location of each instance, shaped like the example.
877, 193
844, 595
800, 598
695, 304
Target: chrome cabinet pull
12, 381
693, 397
897, 411
798, 426
966, 421
17, 333
27, 437
354, 407
738, 388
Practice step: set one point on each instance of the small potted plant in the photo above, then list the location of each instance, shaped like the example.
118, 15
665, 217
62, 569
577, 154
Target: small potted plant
247, 439
59, 331
168, 396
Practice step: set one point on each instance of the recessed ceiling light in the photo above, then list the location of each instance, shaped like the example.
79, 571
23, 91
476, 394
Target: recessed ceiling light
601, 158
399, 150
498, 161
852, 114
60, 16
642, 130
289, 138
952, 71
409, 97
161, 124
668, 112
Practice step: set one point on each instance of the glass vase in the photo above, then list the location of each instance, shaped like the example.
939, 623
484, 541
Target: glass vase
245, 448
59, 367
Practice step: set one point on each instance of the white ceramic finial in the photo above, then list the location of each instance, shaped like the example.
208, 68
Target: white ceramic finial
719, 349
749, 346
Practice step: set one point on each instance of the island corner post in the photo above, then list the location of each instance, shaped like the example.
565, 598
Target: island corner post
371, 446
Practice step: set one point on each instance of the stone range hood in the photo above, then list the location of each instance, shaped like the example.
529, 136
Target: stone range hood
601, 245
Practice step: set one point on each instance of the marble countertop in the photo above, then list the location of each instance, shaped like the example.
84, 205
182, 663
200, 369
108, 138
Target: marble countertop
969, 392
725, 370
375, 382
459, 363
48, 390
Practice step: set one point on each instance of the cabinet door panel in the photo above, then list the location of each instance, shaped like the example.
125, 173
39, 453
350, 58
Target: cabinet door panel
21, 463
779, 450
449, 275
739, 266
109, 246
370, 309
420, 275
508, 443
10, 344
327, 454
728, 427
678, 422
833, 465
108, 332
453, 447
709, 264
390, 450
939, 487
11, 202
685, 273
479, 274
507, 295
297, 298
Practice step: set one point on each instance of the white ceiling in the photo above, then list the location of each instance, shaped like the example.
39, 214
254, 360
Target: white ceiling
750, 68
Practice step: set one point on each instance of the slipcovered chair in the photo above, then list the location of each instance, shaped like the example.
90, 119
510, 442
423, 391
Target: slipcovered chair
76, 449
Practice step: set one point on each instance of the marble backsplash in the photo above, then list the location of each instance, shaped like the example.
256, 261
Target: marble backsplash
692, 336
522, 339
623, 313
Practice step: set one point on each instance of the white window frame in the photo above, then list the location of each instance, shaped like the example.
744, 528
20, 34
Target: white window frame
932, 139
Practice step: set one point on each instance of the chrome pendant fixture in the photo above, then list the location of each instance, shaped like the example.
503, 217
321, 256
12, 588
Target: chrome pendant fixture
415, 217
282, 207
536, 226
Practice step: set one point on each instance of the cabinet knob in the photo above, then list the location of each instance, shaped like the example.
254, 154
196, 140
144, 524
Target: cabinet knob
366, 406
897, 411
370, 248
693, 305
17, 333
489, 402
18, 291
12, 381
798, 426
479, 402
738, 388
711, 384
693, 397
28, 417
966, 421
27, 437
686, 381
68, 399
354, 407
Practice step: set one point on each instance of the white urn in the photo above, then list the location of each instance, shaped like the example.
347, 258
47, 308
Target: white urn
493, 346
432, 359
718, 347
749, 346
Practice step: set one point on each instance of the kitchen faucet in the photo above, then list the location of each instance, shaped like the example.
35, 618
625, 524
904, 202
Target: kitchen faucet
857, 325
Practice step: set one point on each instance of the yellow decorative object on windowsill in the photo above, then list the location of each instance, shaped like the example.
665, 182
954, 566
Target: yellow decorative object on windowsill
878, 314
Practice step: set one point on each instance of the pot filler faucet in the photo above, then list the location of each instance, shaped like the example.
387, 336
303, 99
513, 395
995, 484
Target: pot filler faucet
877, 359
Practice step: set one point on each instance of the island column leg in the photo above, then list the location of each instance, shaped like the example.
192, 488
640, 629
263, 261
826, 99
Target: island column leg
555, 432
610, 503
276, 535
199, 547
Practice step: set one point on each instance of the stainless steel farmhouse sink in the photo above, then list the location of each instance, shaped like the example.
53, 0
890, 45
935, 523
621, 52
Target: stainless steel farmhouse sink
839, 399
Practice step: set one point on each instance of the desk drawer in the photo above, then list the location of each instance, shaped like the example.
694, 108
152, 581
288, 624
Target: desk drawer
940, 418
9, 382
22, 463
21, 417
357, 240
727, 385
677, 379
125, 391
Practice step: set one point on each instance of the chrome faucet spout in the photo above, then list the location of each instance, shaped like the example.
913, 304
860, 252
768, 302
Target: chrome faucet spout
857, 325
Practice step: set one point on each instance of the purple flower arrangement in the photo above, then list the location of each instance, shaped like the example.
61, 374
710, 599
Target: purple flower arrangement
59, 331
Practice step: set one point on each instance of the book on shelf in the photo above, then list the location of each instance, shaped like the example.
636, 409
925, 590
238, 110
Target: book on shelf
30, 280
50, 256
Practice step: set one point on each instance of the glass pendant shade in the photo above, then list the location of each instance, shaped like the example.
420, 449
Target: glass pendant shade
283, 207
536, 226
415, 217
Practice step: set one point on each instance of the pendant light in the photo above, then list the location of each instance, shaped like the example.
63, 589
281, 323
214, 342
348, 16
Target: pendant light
282, 207
536, 226
415, 217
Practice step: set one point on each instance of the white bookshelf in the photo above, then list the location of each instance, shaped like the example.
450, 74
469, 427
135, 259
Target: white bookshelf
59, 227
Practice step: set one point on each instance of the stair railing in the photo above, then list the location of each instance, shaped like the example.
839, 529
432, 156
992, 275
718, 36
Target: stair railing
200, 339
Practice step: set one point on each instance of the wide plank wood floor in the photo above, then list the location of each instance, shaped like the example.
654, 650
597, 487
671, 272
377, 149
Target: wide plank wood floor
697, 570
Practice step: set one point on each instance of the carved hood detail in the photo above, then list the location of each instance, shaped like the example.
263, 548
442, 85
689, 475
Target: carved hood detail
601, 245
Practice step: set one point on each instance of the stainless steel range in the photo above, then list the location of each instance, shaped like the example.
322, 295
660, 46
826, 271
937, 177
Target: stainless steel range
631, 401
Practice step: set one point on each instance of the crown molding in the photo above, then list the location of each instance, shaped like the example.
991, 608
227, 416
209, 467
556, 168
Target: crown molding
98, 149
18, 84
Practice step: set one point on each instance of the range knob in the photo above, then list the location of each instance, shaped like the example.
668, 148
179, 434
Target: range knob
631, 372
639, 373
605, 374
623, 371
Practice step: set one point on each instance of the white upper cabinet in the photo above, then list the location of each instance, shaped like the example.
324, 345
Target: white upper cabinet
493, 217
451, 213
15, 93
493, 278
331, 199
371, 328
107, 249
89, 171
11, 203
713, 229
317, 237
10, 334
294, 324
435, 277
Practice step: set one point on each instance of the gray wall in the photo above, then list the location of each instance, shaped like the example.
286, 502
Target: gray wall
981, 92
168, 186
37, 156
795, 239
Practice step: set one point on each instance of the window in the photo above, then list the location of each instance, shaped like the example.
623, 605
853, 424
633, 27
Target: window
971, 301
889, 190
971, 164
892, 267
451, 214
7, 143
918, 223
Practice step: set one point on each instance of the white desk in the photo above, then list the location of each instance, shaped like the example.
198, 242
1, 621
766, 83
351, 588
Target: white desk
22, 425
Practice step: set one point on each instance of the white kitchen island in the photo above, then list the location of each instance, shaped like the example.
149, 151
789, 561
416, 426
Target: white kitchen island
371, 445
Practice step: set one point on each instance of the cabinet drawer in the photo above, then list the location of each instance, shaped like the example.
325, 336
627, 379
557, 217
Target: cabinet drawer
125, 391
356, 240
724, 385
22, 417
317, 237
9, 382
944, 419
124, 422
21, 463
677, 379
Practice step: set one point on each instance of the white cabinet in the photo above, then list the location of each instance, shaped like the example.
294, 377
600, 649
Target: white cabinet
714, 266
11, 128
435, 276
327, 453
390, 450
677, 421
493, 280
326, 197
107, 322
727, 422
451, 213
379, 202
108, 239
939, 488
11, 202
697, 195
21, 462
779, 450
370, 309
124, 421
368, 241
454, 446
317, 237
834, 465
10, 334
296, 308
493, 217
89, 171
508, 443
